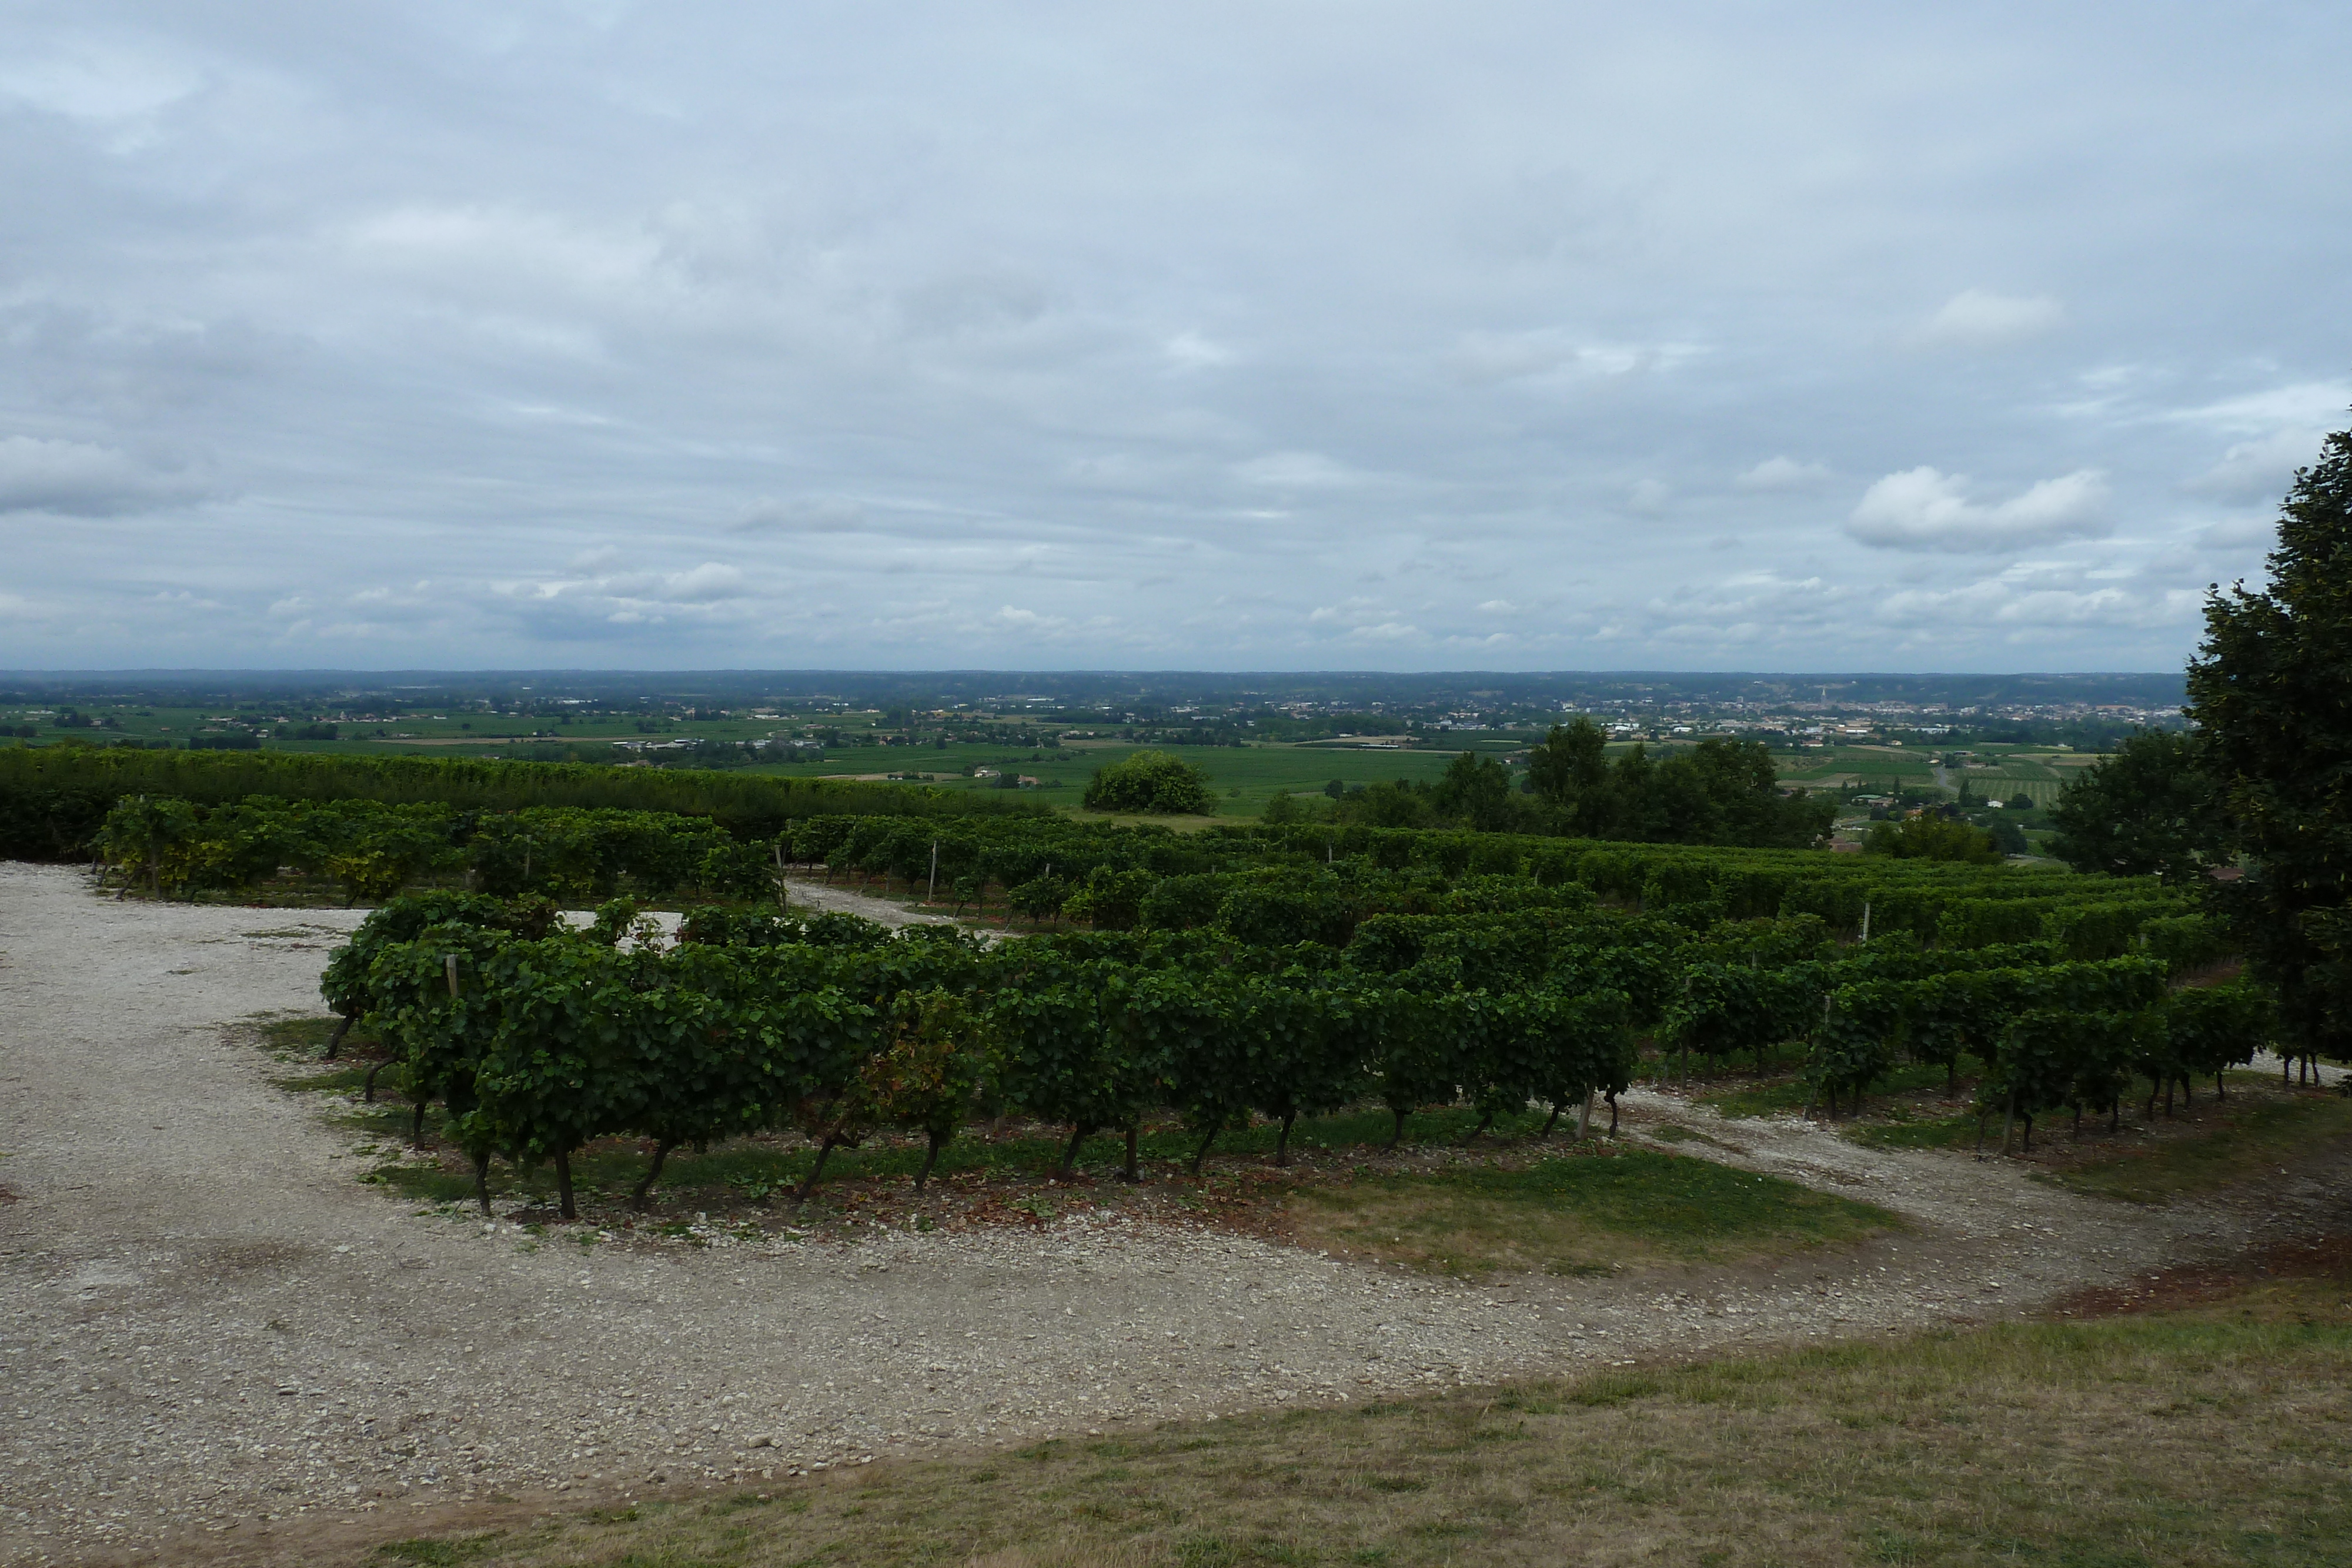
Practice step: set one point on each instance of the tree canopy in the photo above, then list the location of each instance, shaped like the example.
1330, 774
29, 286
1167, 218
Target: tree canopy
1718, 792
1725, 793
1151, 781
2146, 811
2271, 690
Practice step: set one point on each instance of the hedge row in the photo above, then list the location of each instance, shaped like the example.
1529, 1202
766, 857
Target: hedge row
54, 799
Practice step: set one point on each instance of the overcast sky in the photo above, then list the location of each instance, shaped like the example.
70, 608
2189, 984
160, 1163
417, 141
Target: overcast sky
1261, 336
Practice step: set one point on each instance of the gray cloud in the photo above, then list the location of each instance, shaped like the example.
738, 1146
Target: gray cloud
80, 479
639, 335
812, 515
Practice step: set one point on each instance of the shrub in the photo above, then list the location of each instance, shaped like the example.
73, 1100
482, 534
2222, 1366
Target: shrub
1151, 781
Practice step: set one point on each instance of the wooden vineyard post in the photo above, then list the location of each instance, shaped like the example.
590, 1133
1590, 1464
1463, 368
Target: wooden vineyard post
931, 894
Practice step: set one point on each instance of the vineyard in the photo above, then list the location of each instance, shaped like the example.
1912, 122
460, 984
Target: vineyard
54, 799
1255, 975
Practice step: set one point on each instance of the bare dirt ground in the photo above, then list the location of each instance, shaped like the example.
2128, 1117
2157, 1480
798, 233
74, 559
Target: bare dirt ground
215, 1342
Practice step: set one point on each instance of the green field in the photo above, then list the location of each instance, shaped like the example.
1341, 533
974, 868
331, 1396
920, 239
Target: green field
2038, 772
1245, 778
1837, 764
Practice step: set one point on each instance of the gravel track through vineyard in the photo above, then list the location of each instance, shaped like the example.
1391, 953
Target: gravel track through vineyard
206, 1323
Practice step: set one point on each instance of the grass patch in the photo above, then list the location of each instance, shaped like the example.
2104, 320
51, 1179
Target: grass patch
1575, 1214
1676, 1132
2208, 1145
300, 1038
2219, 1144
1926, 1133
300, 1043
342, 1079
1787, 1096
439, 1554
2221, 1434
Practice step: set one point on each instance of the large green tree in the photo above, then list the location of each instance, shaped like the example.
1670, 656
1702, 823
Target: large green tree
2146, 811
1568, 770
1478, 789
2271, 690
1719, 792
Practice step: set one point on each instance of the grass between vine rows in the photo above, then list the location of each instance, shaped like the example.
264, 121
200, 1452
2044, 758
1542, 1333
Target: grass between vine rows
1510, 1202
2216, 1428
2205, 1143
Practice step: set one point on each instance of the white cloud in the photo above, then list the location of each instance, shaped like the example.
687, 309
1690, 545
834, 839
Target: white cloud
1490, 357
1499, 607
2238, 535
1925, 510
98, 83
507, 247
1977, 318
2303, 405
1193, 351
2028, 604
84, 481
710, 581
2260, 467
1783, 473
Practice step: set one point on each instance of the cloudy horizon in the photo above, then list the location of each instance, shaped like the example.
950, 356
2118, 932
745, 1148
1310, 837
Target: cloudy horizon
1269, 337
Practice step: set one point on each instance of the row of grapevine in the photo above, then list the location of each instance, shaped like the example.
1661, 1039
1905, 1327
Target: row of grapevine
372, 851
536, 1044
1114, 878
537, 1040
1258, 886
1268, 883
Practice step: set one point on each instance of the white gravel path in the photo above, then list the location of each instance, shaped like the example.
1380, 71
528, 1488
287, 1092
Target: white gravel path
204, 1321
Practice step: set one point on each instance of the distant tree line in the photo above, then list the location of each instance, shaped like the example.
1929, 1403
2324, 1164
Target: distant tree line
1723, 792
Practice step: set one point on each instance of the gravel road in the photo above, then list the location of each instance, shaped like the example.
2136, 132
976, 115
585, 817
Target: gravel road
206, 1324
803, 893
